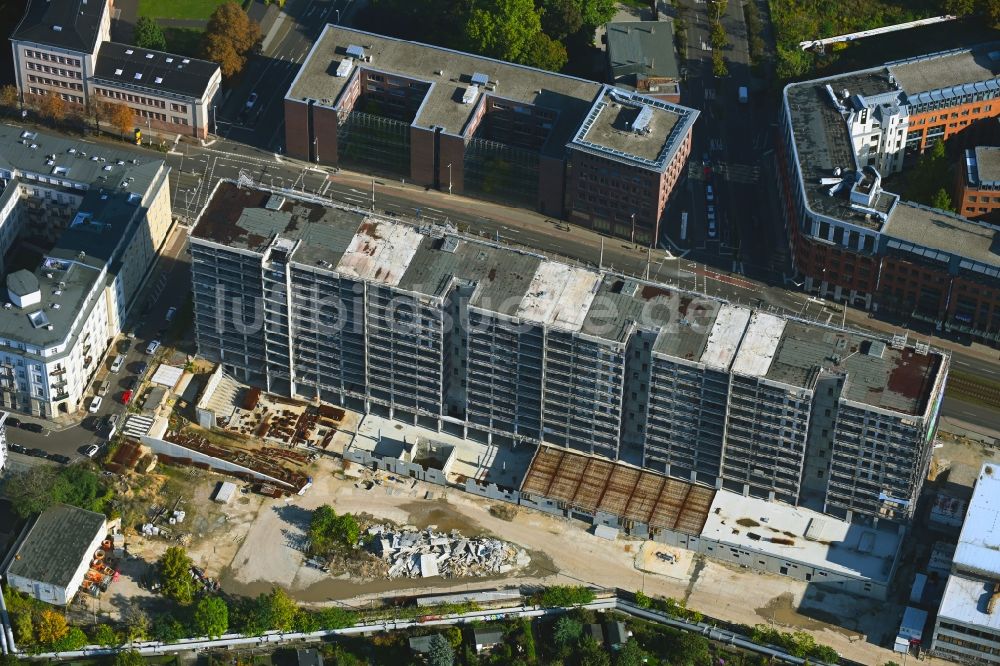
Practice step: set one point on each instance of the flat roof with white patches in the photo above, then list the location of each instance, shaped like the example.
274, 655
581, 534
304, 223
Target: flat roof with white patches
724, 339
380, 252
759, 344
560, 295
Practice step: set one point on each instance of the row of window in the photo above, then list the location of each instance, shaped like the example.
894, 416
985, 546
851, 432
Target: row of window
59, 71
41, 92
133, 99
48, 57
56, 83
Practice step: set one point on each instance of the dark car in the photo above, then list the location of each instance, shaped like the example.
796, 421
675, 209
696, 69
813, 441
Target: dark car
38, 453
59, 458
13, 422
31, 427
143, 367
17, 448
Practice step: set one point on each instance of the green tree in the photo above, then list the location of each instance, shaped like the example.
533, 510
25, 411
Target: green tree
136, 622
566, 631
564, 595
942, 200
642, 601
211, 617
546, 53
24, 629
329, 532
148, 34
51, 627
168, 629
336, 618
561, 18
105, 635
129, 658
684, 648
175, 575
277, 610
630, 654
596, 12
960, 7
719, 67
591, 653
503, 29
73, 639
440, 652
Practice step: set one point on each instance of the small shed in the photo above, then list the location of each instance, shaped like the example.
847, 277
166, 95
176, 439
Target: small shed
606, 532
225, 492
308, 657
421, 644
487, 639
596, 632
616, 633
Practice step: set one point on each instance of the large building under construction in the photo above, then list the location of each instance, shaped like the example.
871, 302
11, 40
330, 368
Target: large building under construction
600, 156
489, 342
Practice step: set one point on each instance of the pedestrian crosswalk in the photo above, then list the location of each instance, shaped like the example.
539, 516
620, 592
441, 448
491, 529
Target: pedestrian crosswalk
137, 426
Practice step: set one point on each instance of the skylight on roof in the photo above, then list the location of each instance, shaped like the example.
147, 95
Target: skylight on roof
186, 60
170, 59
159, 79
138, 75
149, 56
118, 72
129, 51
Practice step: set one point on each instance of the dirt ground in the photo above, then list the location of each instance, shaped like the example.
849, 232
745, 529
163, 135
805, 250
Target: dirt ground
255, 543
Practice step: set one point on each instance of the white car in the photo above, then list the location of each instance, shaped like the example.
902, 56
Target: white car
91, 450
251, 100
153, 346
95, 404
170, 313
709, 195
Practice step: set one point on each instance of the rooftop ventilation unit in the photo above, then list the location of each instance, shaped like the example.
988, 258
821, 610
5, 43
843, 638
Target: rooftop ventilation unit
129, 51
641, 124
470, 94
356, 52
449, 244
57, 28
345, 67
875, 348
170, 59
480, 79
150, 56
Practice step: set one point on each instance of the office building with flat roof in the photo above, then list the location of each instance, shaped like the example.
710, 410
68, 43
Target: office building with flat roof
64, 48
642, 57
101, 218
977, 195
599, 156
967, 628
858, 243
455, 333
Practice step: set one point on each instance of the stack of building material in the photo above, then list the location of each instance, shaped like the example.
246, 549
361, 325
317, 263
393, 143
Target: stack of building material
409, 553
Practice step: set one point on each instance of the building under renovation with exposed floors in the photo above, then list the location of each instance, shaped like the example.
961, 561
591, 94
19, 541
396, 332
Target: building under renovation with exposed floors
488, 342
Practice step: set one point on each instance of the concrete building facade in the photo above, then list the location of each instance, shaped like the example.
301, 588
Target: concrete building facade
102, 219
599, 156
484, 341
857, 243
64, 48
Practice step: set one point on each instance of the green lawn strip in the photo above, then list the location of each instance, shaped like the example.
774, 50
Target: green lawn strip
178, 9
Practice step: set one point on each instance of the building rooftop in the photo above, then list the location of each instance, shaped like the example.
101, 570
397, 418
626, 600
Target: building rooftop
602, 305
501, 277
946, 70
642, 48
978, 548
594, 484
982, 166
937, 234
57, 544
442, 104
797, 534
634, 129
156, 71
73, 162
966, 600
68, 24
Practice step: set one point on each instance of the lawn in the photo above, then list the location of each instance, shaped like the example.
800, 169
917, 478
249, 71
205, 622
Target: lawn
184, 41
178, 9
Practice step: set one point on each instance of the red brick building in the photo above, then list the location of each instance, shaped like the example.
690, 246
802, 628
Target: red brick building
855, 242
978, 193
586, 152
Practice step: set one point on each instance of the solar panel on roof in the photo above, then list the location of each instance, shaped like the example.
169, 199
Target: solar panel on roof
480, 79
355, 52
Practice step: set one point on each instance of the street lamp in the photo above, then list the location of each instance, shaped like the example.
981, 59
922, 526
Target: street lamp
338, 16
316, 148
215, 121
449, 177
633, 228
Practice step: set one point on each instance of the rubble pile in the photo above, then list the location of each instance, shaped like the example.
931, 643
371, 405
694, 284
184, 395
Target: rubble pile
412, 553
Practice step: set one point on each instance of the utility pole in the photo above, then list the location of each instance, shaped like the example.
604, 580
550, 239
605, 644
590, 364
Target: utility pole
600, 260
316, 148
449, 177
633, 228
373, 194
648, 259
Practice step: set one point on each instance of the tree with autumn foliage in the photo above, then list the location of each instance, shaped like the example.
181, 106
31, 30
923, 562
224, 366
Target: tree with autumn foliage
51, 626
120, 117
53, 107
229, 36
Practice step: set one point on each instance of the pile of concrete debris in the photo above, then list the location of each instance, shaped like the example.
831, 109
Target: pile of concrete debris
412, 553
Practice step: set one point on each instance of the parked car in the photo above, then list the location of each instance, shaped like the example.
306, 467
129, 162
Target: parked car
152, 347
37, 453
59, 458
251, 100
709, 194
13, 422
102, 390
143, 367
712, 231
17, 448
127, 397
171, 312
92, 450
117, 364
31, 427
95, 404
